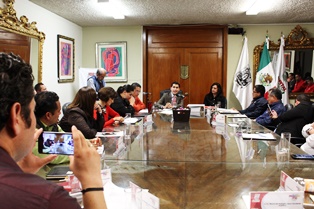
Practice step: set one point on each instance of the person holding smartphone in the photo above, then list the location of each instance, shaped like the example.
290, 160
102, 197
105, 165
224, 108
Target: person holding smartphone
274, 101
20, 188
293, 120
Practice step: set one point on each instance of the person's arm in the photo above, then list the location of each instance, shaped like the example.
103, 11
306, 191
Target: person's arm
85, 165
122, 107
74, 118
291, 114
162, 102
138, 105
257, 110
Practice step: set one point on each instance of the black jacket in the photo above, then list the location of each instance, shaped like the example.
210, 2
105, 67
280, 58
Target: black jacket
256, 108
212, 101
86, 124
122, 106
293, 120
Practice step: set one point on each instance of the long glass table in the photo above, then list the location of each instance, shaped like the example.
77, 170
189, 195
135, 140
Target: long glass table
195, 165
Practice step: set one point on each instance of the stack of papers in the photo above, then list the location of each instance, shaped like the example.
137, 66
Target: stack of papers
227, 111
258, 136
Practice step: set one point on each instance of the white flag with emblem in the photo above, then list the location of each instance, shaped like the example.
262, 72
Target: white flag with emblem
281, 78
242, 85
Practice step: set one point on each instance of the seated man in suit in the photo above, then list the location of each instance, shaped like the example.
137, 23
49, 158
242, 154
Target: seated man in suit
258, 104
171, 99
47, 112
274, 101
293, 120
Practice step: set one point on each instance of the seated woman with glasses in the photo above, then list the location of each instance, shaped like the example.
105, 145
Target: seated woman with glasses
106, 97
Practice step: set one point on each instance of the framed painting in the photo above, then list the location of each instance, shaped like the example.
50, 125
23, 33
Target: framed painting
66, 50
287, 56
112, 57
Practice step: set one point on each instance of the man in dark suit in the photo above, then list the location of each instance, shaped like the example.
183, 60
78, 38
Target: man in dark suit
171, 99
293, 120
258, 104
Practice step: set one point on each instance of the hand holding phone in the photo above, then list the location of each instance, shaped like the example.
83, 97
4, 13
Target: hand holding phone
56, 143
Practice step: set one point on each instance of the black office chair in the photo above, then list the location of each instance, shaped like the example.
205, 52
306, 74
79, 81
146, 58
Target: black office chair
65, 106
167, 91
288, 106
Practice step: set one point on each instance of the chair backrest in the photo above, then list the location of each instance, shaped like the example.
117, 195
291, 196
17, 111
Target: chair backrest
288, 106
167, 91
65, 106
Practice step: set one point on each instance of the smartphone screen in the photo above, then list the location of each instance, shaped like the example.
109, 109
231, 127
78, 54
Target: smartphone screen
268, 107
56, 143
302, 156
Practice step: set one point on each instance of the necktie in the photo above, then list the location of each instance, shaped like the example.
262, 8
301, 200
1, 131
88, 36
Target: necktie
174, 100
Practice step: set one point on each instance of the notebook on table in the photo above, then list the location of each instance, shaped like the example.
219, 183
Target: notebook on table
58, 172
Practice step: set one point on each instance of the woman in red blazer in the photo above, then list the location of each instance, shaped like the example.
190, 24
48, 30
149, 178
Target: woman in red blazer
106, 96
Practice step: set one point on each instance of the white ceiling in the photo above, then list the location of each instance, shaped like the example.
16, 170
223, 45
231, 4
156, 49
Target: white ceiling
155, 12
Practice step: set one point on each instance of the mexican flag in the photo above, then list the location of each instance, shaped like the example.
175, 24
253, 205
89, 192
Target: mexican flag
265, 74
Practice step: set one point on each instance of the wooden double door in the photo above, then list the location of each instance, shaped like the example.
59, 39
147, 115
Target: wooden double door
194, 56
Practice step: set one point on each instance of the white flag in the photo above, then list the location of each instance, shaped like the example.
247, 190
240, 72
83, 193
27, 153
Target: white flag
242, 85
265, 74
281, 78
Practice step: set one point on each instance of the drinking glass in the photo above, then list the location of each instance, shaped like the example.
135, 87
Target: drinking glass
284, 143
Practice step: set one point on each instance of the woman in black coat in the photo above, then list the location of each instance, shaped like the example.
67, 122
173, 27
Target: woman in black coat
121, 103
215, 96
80, 113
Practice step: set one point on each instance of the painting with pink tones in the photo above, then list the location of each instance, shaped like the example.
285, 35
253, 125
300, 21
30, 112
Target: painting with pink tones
112, 57
65, 59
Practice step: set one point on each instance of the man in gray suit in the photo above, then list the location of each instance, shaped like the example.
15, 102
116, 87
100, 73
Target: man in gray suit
171, 99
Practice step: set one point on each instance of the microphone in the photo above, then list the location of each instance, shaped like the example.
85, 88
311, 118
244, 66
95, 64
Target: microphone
180, 95
146, 93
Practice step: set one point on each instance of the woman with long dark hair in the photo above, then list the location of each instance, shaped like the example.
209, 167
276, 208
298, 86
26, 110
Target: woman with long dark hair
80, 113
215, 96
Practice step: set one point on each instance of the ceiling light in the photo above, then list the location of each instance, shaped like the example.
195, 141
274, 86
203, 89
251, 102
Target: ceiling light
112, 8
255, 8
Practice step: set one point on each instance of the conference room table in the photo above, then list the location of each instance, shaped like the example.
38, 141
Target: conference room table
196, 165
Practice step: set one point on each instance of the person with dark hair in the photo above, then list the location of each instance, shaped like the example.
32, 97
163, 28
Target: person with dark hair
215, 96
310, 85
97, 81
106, 97
39, 87
47, 112
258, 104
291, 82
17, 163
293, 120
80, 113
274, 101
300, 84
171, 99
135, 100
121, 104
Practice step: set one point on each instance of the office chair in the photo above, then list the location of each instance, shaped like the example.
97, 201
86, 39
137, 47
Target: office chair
288, 106
65, 106
167, 91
